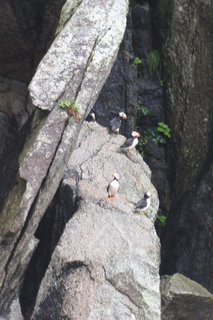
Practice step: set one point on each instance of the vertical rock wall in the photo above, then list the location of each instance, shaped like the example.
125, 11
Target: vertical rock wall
188, 50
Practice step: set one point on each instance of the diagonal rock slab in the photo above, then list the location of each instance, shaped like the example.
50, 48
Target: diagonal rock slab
106, 264
75, 67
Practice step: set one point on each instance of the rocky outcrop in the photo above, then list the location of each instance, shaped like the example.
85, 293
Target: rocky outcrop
185, 299
105, 265
188, 51
73, 68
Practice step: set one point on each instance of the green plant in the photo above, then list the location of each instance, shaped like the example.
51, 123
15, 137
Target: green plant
142, 110
161, 83
69, 104
141, 143
161, 219
164, 129
71, 107
153, 135
153, 62
137, 61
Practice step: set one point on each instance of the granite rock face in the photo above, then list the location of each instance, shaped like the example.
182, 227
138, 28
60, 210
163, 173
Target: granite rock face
184, 299
105, 265
85, 68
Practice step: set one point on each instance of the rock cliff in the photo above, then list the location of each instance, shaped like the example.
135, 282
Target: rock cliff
106, 264
66, 251
73, 68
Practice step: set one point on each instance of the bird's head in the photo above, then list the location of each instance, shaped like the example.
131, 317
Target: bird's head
92, 114
135, 134
116, 176
122, 115
148, 194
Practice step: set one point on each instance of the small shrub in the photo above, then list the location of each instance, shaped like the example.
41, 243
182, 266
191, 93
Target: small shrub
141, 143
153, 135
137, 61
153, 62
164, 129
161, 219
71, 108
142, 110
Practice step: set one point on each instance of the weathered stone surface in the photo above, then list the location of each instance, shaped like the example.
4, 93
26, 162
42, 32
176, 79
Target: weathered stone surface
184, 299
96, 28
46, 153
106, 263
13, 313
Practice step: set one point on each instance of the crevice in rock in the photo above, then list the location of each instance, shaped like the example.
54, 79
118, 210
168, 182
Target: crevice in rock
49, 231
9, 161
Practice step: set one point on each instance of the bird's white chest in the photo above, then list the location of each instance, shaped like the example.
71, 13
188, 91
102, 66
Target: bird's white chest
148, 201
113, 187
135, 142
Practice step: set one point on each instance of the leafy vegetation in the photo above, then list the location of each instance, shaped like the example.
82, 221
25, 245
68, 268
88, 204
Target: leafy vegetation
137, 61
71, 107
159, 135
161, 219
69, 104
142, 110
153, 135
153, 62
164, 129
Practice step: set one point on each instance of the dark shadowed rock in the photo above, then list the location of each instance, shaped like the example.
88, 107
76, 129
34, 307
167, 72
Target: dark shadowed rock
188, 239
27, 30
184, 299
188, 56
106, 263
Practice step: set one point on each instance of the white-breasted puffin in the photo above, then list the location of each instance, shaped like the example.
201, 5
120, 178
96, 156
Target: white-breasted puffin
144, 203
131, 142
113, 186
91, 117
115, 123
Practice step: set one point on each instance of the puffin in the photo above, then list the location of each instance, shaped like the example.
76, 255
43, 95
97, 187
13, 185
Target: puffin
144, 203
115, 123
91, 117
131, 142
113, 186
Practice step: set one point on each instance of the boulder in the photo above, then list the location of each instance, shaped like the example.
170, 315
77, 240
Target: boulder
106, 263
184, 299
